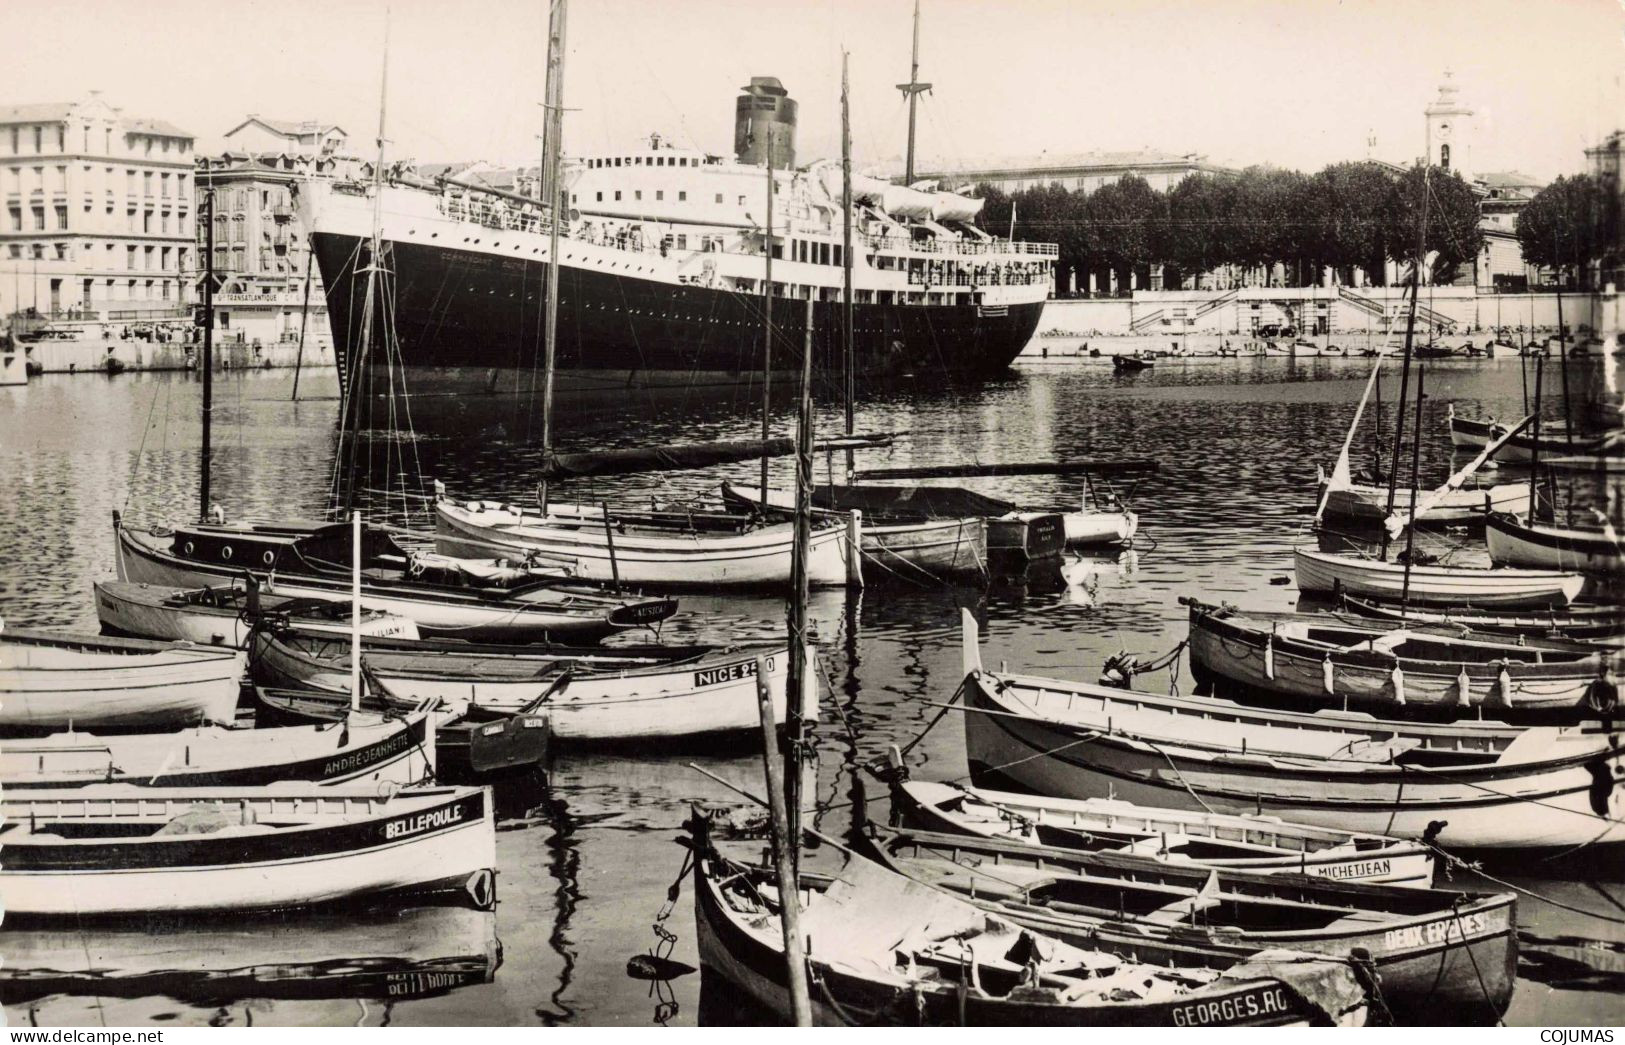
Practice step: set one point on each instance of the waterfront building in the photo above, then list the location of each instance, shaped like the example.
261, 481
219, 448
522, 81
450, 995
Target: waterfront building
261, 260
1603, 158
99, 214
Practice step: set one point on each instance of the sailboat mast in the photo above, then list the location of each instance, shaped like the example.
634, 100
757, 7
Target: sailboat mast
1405, 369
767, 313
206, 457
1416, 478
1534, 447
912, 91
796, 681
350, 413
1563, 364
553, 149
848, 350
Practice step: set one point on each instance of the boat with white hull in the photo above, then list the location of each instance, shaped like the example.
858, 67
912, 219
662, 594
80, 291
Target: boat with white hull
362, 748
589, 696
1259, 844
1335, 572
1515, 541
1467, 785
52, 680
112, 850
225, 615
669, 557
897, 540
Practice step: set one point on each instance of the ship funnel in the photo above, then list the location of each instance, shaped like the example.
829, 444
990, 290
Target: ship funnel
765, 119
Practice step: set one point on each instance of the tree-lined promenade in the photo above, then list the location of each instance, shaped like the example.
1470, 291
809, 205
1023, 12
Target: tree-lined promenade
1346, 216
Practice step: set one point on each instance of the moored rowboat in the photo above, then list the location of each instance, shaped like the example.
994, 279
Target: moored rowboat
116, 850
613, 694
1364, 501
1263, 845
361, 748
1325, 661
642, 550
52, 680
314, 562
882, 949
1464, 785
1515, 541
1439, 955
225, 614
1335, 572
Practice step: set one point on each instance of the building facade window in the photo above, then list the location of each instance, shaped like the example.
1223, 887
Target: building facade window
62, 217
39, 219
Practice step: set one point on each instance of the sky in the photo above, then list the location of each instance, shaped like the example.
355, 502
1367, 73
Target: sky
1295, 83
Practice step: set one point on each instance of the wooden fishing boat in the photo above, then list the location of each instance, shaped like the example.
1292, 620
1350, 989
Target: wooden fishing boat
1368, 502
57, 680
1318, 660
1262, 845
1346, 573
389, 955
314, 562
361, 748
1516, 541
1130, 363
671, 549
608, 695
115, 850
1466, 785
883, 949
897, 536
1095, 526
471, 745
1439, 955
224, 615
1582, 623
1474, 434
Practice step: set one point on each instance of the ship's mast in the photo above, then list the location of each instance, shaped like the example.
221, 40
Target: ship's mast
552, 150
912, 90
848, 353
767, 312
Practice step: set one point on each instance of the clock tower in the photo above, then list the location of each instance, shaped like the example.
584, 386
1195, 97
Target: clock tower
1450, 131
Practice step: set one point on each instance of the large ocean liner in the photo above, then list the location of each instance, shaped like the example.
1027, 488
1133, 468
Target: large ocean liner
663, 271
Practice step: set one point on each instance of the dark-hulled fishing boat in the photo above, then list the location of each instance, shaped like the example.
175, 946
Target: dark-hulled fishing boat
314, 561
224, 615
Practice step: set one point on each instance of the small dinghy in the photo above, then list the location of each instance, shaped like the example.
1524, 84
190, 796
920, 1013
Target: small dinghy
602, 695
1369, 503
224, 615
1473, 434
882, 949
1438, 954
384, 954
1259, 844
1481, 786
442, 596
1515, 541
59, 680
1130, 363
1308, 661
1341, 572
111, 850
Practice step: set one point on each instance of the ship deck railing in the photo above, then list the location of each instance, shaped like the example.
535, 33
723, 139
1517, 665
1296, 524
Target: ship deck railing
501, 216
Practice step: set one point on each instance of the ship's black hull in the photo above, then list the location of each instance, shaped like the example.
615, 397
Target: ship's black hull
471, 322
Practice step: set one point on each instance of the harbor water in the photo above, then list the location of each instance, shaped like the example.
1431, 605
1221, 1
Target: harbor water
586, 862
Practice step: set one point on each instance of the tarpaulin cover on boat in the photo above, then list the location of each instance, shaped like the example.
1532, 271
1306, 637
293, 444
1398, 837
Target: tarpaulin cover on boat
930, 502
